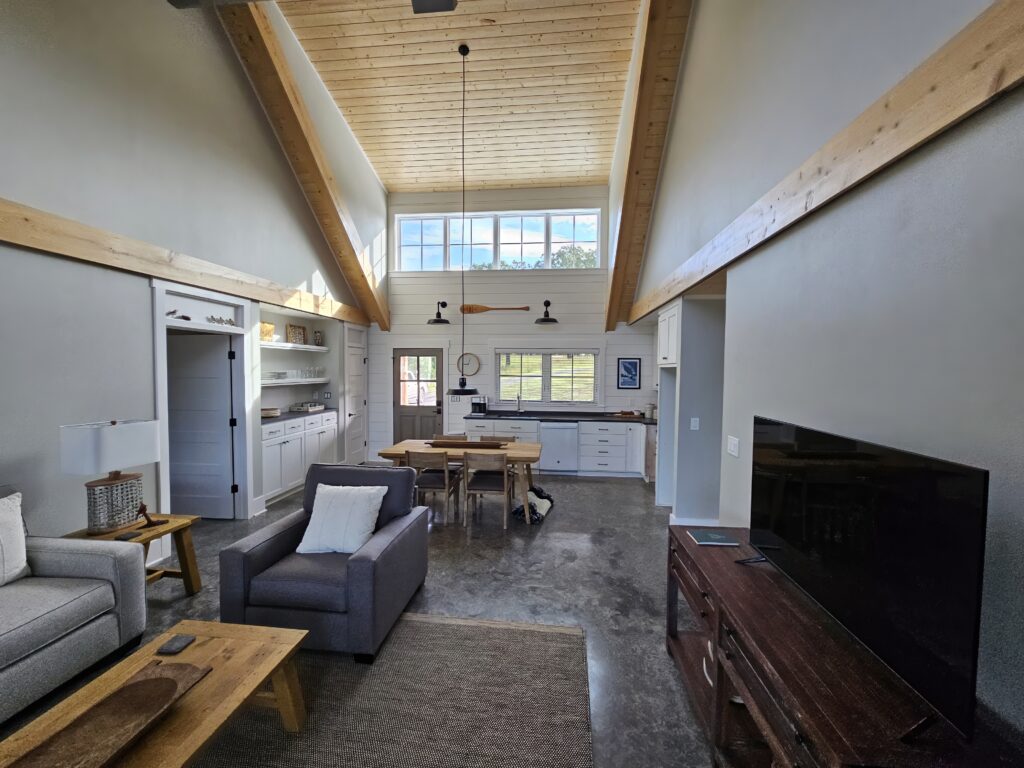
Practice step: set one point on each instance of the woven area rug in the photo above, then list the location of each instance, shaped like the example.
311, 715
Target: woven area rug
443, 693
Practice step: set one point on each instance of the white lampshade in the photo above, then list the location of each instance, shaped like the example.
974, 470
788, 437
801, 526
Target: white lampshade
95, 449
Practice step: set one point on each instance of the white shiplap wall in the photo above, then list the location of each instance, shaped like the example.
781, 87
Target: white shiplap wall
578, 301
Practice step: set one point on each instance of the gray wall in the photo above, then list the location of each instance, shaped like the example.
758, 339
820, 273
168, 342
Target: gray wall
764, 84
893, 315
701, 371
134, 117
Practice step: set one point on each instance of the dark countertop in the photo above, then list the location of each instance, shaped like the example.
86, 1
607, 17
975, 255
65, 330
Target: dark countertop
562, 416
289, 415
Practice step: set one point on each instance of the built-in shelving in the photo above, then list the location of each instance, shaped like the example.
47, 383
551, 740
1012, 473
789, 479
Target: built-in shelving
292, 382
293, 347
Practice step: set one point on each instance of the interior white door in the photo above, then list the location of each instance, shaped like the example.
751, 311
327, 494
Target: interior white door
201, 463
355, 395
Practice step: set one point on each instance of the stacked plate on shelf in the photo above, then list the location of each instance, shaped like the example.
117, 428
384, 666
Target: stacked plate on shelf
274, 375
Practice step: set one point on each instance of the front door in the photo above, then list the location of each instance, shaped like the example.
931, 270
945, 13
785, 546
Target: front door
418, 398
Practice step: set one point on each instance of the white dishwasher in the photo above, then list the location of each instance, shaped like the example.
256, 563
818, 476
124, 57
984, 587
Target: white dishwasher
560, 446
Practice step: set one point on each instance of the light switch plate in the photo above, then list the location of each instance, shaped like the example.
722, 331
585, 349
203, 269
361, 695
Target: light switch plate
695, 423
733, 446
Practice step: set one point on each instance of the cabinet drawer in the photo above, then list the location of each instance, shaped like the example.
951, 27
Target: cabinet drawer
795, 744
608, 451
696, 592
314, 422
293, 426
270, 431
331, 417
602, 464
602, 439
513, 427
602, 428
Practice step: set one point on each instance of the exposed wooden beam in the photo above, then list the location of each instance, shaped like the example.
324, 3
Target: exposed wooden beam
47, 232
980, 63
260, 52
660, 57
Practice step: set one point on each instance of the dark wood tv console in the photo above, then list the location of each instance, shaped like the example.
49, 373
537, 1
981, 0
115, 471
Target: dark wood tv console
775, 681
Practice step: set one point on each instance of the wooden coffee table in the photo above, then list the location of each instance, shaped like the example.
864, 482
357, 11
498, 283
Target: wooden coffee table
179, 527
243, 659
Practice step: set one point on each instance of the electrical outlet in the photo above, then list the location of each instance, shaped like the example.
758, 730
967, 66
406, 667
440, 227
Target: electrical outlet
695, 424
733, 446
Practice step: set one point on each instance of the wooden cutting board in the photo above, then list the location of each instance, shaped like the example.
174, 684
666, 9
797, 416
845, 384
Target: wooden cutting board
100, 734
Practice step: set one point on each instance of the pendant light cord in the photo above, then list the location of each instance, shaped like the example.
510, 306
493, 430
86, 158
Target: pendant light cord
464, 51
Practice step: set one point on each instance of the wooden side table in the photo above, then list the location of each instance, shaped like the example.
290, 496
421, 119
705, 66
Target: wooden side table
177, 526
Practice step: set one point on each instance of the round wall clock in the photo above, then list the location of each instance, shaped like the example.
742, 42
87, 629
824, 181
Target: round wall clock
468, 364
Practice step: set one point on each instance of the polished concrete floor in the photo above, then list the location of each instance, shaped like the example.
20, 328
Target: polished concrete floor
598, 562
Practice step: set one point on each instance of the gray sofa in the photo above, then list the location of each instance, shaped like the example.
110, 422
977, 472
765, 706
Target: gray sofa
347, 602
83, 601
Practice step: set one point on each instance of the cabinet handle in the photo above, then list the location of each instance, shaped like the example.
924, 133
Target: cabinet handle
703, 614
602, 452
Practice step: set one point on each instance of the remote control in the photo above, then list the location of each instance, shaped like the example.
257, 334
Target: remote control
175, 645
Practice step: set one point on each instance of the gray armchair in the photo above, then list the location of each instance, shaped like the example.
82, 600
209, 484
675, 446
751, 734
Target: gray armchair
347, 602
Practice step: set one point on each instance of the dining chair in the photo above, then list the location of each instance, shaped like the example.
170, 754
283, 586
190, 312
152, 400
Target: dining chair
433, 474
486, 473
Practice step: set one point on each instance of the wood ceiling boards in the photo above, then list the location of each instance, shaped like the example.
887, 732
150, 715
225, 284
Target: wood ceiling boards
545, 81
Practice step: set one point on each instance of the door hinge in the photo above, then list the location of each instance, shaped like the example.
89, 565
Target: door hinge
366, 358
231, 354
364, 443
234, 488
232, 422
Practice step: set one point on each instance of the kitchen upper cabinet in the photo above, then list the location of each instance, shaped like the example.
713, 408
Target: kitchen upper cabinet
669, 320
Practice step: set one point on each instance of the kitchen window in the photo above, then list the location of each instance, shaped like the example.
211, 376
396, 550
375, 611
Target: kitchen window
547, 377
499, 241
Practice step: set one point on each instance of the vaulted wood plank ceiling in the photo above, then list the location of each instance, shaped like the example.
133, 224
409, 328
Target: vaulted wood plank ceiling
545, 85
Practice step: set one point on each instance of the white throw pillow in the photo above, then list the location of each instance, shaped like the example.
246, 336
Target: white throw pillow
13, 561
343, 518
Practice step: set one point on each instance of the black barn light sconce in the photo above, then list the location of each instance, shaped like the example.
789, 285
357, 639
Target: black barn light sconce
437, 319
546, 318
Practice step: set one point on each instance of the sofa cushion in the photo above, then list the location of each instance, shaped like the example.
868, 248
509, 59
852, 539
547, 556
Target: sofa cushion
343, 518
316, 582
401, 482
36, 611
13, 562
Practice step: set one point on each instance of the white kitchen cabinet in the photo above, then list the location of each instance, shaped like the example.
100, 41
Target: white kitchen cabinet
636, 439
293, 467
273, 483
669, 320
479, 427
322, 446
283, 464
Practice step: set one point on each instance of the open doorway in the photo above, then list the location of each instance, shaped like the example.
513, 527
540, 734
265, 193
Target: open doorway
201, 424
418, 400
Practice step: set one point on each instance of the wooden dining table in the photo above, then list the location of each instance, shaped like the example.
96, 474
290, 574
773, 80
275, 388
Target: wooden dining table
518, 455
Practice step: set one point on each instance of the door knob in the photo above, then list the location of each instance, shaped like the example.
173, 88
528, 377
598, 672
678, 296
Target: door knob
351, 415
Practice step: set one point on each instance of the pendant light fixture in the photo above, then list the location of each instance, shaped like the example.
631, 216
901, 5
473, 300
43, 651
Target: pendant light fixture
437, 319
463, 388
546, 318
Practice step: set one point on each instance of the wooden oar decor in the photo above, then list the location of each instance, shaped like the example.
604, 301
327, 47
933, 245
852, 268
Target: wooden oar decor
476, 309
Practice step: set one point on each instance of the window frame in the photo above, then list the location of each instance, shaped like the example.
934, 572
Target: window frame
450, 265
546, 355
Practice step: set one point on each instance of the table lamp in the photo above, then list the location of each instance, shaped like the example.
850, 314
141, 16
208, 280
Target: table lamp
109, 446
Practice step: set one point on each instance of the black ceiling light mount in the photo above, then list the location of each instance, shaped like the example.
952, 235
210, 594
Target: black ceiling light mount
434, 6
546, 318
463, 388
437, 319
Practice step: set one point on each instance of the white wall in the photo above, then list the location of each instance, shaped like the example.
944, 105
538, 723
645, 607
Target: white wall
577, 298
366, 201
137, 118
763, 86
624, 136
893, 315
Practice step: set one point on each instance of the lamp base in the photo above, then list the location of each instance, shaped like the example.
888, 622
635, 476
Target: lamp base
113, 501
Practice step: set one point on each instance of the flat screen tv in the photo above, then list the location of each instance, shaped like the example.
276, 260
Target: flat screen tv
890, 543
